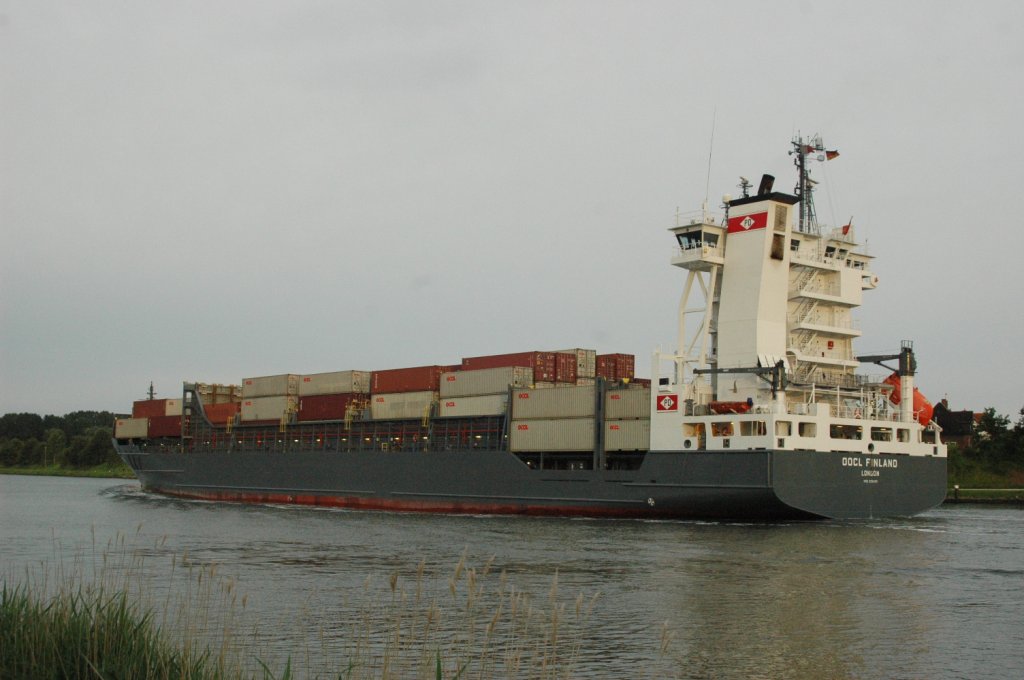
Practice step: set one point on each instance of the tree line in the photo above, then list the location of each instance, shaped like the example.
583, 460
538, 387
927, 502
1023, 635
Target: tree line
78, 439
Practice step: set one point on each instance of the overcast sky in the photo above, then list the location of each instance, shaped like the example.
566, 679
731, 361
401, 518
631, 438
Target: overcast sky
215, 190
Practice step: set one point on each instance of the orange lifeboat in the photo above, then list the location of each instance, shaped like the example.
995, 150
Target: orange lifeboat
922, 407
730, 406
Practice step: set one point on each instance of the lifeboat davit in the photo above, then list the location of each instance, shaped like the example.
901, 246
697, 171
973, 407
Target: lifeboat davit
731, 406
922, 407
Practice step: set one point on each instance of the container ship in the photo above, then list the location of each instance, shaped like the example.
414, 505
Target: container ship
758, 414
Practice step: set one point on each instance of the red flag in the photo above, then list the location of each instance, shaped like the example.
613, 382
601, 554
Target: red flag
748, 222
846, 229
808, 149
829, 155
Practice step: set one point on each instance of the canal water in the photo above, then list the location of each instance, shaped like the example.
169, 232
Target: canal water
936, 596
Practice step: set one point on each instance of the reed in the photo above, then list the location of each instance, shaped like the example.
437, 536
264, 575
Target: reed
105, 612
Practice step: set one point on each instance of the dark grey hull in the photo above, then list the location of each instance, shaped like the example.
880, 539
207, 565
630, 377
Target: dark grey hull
741, 485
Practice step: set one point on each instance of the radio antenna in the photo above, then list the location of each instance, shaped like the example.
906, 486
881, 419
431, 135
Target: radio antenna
711, 151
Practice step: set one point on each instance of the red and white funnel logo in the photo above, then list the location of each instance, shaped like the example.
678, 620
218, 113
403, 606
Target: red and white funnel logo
748, 222
668, 402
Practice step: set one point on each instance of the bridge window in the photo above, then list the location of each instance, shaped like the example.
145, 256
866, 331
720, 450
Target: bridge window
881, 434
807, 430
783, 428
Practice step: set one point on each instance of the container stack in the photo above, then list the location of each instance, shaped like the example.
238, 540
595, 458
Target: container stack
480, 392
405, 393
157, 417
553, 420
271, 398
215, 393
627, 424
328, 396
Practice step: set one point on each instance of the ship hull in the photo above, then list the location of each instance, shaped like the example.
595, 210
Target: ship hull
740, 485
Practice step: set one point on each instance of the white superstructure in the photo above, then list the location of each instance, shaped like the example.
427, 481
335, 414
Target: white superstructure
765, 358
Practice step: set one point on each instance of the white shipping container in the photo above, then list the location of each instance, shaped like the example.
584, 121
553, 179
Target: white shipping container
131, 428
269, 408
336, 382
464, 407
558, 434
172, 407
485, 381
270, 386
629, 403
401, 405
586, 361
575, 401
627, 435
215, 393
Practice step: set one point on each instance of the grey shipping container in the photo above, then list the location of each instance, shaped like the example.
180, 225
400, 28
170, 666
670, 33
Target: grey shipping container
558, 434
463, 407
270, 386
586, 361
485, 381
560, 402
627, 435
336, 382
131, 428
401, 405
269, 408
629, 403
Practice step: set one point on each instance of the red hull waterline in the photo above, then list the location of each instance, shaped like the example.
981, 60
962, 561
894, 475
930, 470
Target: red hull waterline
440, 507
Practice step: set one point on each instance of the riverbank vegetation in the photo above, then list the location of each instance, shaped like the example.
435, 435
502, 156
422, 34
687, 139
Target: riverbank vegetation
71, 442
113, 614
994, 458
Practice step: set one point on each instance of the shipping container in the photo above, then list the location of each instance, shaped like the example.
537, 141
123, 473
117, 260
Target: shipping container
215, 393
560, 402
164, 426
565, 368
326, 406
415, 379
221, 414
485, 381
270, 386
627, 435
627, 403
542, 363
586, 362
173, 407
337, 382
149, 408
615, 366
269, 408
467, 407
131, 428
402, 405
562, 434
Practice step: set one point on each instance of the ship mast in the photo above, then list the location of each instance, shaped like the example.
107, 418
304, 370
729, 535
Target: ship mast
814, 148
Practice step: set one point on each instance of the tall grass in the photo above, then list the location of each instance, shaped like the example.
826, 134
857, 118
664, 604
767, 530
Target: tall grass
107, 613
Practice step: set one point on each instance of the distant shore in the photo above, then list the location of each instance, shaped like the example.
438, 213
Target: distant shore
985, 496
107, 470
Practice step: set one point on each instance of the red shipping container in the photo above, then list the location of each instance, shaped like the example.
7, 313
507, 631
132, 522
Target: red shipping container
615, 366
416, 379
149, 408
164, 426
220, 414
565, 368
542, 363
324, 406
